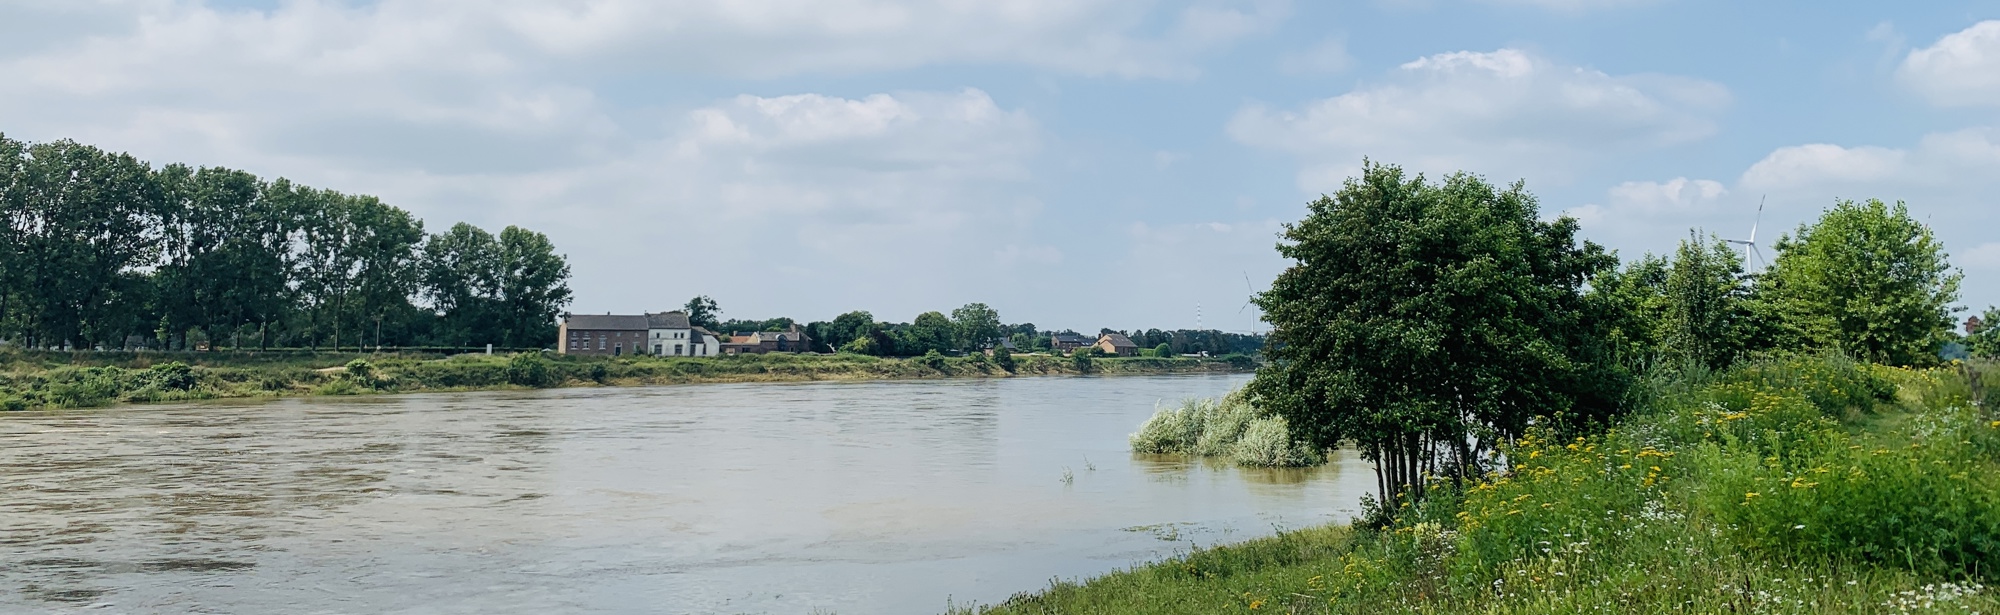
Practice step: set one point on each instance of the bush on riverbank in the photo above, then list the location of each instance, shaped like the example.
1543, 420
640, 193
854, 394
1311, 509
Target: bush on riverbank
1227, 427
35, 379
1793, 485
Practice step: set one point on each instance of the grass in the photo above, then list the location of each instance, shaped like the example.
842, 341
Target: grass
35, 379
1788, 485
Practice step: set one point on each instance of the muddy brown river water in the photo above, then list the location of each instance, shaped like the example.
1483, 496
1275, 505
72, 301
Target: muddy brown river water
852, 498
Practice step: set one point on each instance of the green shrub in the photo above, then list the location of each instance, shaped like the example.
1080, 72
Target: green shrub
174, 376
1004, 358
529, 369
931, 359
362, 373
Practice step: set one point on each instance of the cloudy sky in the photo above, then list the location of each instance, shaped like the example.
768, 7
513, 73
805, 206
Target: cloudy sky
1074, 163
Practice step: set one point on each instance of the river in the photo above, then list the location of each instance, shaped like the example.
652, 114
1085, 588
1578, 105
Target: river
853, 498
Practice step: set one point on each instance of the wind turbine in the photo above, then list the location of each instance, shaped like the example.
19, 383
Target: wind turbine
1750, 245
1249, 298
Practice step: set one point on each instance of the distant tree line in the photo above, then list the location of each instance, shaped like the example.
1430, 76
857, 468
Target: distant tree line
99, 249
1430, 321
973, 327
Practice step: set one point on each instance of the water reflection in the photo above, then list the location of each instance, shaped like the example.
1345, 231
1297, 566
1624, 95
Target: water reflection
881, 497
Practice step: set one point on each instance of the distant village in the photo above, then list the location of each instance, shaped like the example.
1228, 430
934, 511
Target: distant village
675, 334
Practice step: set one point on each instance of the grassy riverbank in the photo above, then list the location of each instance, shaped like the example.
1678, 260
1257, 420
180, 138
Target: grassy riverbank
1780, 486
31, 380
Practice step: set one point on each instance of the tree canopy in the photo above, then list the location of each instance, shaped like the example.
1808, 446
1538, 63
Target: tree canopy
1427, 321
1867, 280
101, 249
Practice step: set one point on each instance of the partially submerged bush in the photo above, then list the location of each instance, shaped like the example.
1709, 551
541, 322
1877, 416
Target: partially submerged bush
1267, 442
1231, 427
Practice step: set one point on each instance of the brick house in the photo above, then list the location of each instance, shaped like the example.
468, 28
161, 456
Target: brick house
793, 339
1117, 344
601, 335
1065, 342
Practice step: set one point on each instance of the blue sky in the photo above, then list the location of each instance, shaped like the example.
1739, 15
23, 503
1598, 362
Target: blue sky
1074, 163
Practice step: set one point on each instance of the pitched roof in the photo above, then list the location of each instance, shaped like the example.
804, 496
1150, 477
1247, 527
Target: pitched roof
1118, 340
668, 320
1073, 338
606, 321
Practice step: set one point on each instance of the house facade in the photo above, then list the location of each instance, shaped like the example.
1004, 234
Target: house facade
669, 334
1116, 344
602, 335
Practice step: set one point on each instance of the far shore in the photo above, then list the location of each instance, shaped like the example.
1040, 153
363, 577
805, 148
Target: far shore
50, 380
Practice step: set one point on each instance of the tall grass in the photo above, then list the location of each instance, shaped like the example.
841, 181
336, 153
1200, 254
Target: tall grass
1786, 485
1228, 427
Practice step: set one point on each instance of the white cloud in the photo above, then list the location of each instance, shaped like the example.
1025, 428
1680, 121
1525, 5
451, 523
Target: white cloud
1959, 158
1642, 208
1505, 113
1961, 69
754, 38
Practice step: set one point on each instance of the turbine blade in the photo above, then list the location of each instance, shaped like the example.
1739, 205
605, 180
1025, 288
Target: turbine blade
1759, 221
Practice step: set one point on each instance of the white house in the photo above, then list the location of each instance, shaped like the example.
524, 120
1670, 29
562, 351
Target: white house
670, 335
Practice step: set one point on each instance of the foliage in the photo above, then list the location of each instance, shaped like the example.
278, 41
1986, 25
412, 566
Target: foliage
530, 369
1230, 427
1003, 358
1782, 485
702, 312
1705, 320
362, 373
100, 250
1430, 321
1866, 279
1984, 341
977, 326
1081, 359
1163, 350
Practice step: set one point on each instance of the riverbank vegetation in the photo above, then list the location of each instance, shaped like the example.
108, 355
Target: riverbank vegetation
1230, 427
1802, 484
1553, 431
32, 380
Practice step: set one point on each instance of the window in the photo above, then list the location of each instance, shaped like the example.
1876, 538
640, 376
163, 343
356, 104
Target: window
677, 349
656, 349
600, 343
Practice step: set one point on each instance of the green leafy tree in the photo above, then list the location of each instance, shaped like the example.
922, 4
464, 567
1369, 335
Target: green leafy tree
702, 312
79, 222
978, 326
534, 287
461, 279
1983, 341
1705, 317
849, 327
1428, 321
1163, 350
1632, 303
930, 332
1865, 279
